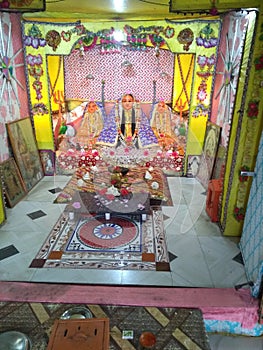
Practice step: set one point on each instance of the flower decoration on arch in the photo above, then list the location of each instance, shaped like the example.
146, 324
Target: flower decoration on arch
186, 37
36, 71
34, 38
39, 108
206, 64
207, 37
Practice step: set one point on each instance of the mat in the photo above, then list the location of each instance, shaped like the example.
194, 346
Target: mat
174, 328
156, 184
89, 241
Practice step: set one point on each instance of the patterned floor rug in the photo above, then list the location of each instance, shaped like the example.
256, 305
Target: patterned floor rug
125, 241
174, 328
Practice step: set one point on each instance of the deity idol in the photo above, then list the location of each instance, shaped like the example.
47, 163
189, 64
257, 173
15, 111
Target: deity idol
91, 125
129, 126
161, 123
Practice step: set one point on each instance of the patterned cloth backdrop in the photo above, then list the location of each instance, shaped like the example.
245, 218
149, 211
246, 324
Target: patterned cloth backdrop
136, 79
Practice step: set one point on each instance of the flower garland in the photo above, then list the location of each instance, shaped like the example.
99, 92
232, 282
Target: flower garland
204, 62
207, 37
39, 108
36, 71
259, 62
243, 178
239, 214
252, 111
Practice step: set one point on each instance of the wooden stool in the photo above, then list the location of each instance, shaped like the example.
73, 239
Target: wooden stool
88, 334
212, 200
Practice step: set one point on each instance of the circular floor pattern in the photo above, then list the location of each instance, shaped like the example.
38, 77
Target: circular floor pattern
100, 233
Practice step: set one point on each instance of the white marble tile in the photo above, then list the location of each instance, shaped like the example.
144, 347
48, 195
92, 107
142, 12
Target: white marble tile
218, 249
15, 268
181, 281
81, 276
205, 227
151, 278
221, 342
179, 220
190, 261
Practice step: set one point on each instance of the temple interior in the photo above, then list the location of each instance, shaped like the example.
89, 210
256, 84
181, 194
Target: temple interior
131, 157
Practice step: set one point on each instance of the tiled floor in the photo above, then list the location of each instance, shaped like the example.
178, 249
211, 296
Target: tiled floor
199, 255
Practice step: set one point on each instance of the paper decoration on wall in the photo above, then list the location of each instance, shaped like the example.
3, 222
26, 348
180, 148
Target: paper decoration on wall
227, 90
7, 67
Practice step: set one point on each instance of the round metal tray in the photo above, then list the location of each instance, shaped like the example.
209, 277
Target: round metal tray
13, 340
77, 312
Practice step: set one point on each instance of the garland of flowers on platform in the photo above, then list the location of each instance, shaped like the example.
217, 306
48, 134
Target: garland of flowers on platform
252, 115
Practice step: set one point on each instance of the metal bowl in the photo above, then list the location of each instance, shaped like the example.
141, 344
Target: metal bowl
77, 312
13, 340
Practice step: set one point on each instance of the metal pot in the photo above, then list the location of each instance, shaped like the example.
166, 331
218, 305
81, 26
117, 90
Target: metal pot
13, 340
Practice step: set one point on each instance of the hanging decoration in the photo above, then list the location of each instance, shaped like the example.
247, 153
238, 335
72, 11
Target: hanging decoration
34, 38
186, 37
206, 64
53, 39
85, 43
213, 10
207, 37
36, 71
7, 67
230, 74
39, 108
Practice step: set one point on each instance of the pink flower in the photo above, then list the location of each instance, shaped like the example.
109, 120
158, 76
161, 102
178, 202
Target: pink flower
146, 153
110, 197
103, 191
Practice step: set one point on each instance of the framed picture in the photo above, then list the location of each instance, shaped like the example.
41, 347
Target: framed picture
13, 185
211, 142
47, 158
24, 6
24, 146
193, 163
2, 206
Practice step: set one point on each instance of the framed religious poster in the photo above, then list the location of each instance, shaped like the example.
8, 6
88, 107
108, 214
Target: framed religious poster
24, 146
2, 206
207, 161
193, 163
47, 157
13, 185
